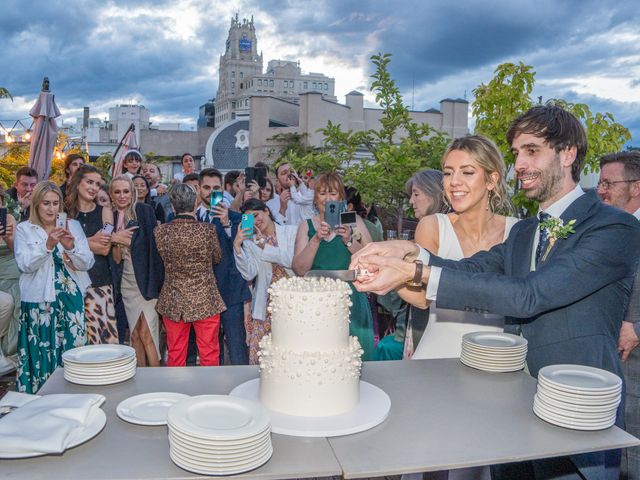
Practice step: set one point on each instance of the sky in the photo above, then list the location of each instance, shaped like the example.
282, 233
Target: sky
165, 54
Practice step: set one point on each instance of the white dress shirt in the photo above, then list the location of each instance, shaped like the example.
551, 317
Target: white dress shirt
36, 262
555, 209
292, 216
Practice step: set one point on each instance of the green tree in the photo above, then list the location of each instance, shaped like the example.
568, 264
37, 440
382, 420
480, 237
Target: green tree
378, 162
508, 94
4, 93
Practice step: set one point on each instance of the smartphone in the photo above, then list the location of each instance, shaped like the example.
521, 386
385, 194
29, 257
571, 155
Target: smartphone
107, 229
247, 223
259, 174
61, 220
347, 218
3, 218
216, 198
332, 212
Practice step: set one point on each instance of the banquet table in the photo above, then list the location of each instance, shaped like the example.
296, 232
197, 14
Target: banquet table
443, 415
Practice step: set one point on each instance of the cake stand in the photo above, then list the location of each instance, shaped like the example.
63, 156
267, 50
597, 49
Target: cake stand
372, 410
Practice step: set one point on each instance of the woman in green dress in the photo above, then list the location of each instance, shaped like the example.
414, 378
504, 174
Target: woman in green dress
54, 260
320, 247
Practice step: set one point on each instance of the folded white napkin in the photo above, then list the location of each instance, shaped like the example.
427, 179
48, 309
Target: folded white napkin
45, 424
16, 399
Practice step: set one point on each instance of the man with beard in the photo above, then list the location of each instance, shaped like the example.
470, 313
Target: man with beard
619, 186
564, 288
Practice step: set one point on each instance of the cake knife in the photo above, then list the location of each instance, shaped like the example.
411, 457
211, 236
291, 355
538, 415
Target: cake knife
345, 275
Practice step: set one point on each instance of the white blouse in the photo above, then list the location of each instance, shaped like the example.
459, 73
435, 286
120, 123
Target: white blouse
36, 263
254, 263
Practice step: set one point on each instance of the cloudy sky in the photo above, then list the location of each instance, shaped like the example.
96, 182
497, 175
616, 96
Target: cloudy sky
164, 54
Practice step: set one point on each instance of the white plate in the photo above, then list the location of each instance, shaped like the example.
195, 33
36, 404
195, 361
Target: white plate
495, 340
95, 382
99, 373
219, 417
208, 470
148, 408
90, 367
560, 390
567, 423
219, 444
493, 360
218, 450
98, 353
95, 424
494, 350
555, 409
578, 421
495, 355
581, 378
221, 460
488, 368
574, 403
191, 438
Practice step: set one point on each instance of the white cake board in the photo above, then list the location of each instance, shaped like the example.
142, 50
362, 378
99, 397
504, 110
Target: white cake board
372, 410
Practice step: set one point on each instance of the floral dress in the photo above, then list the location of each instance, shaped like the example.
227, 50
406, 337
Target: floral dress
48, 329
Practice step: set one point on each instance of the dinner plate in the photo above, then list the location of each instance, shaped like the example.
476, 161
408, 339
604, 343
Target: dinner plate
189, 437
480, 366
197, 467
497, 356
220, 449
219, 417
575, 403
148, 408
568, 423
581, 378
219, 444
102, 381
104, 353
496, 360
95, 423
573, 413
562, 390
493, 350
100, 373
223, 459
495, 340
579, 421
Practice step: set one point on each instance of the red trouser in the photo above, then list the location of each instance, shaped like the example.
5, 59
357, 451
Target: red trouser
206, 339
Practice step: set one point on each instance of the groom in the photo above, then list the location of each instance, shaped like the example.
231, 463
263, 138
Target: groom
562, 284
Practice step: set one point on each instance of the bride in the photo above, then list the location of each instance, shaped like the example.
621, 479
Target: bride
475, 188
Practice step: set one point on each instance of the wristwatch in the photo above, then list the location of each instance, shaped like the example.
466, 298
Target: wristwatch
416, 281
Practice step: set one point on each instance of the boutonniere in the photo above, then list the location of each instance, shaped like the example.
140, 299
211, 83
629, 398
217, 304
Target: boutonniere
556, 229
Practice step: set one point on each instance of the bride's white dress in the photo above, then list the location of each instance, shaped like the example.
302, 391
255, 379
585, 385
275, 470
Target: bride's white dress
443, 336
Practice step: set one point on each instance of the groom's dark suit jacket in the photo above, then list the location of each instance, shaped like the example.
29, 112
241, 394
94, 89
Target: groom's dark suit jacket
571, 307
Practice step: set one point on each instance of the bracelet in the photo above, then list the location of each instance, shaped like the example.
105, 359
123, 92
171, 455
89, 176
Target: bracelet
416, 281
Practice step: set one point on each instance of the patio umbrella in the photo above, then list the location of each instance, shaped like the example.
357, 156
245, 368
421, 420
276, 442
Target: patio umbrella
129, 142
45, 131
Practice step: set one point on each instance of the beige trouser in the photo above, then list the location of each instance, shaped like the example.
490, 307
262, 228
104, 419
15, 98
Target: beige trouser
6, 312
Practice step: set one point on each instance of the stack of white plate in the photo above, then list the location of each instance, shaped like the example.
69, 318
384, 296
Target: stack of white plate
99, 364
494, 351
219, 434
577, 397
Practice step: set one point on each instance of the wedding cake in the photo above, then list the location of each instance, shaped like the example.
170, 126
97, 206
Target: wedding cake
309, 365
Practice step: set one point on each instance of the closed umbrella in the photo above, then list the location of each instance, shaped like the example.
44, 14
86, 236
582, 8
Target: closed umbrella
129, 142
45, 131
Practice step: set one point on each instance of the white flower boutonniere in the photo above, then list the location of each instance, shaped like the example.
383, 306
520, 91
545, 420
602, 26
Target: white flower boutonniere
556, 229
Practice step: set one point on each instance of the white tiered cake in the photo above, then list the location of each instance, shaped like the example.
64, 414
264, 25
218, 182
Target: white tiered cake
309, 365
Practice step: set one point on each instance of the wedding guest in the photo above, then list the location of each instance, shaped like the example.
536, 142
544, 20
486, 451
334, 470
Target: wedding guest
99, 306
230, 185
102, 198
619, 186
188, 167
319, 247
143, 196
263, 257
266, 192
22, 190
132, 163
233, 288
72, 163
140, 271
157, 190
284, 210
475, 188
189, 296
54, 261
9, 292
531, 278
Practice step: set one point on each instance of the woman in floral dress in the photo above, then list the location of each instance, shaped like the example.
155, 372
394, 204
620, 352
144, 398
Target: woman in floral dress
54, 261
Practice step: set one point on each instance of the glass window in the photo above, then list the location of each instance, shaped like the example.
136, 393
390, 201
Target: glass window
326, 86
233, 73
259, 82
233, 84
233, 104
271, 83
315, 85
306, 85
241, 75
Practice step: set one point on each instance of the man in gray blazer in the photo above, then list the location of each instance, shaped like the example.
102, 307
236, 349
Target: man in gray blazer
619, 186
565, 289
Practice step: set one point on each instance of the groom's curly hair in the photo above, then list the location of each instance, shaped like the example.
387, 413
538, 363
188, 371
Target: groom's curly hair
559, 128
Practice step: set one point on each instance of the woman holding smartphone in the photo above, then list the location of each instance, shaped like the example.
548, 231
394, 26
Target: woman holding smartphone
263, 254
320, 247
54, 260
97, 224
140, 272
